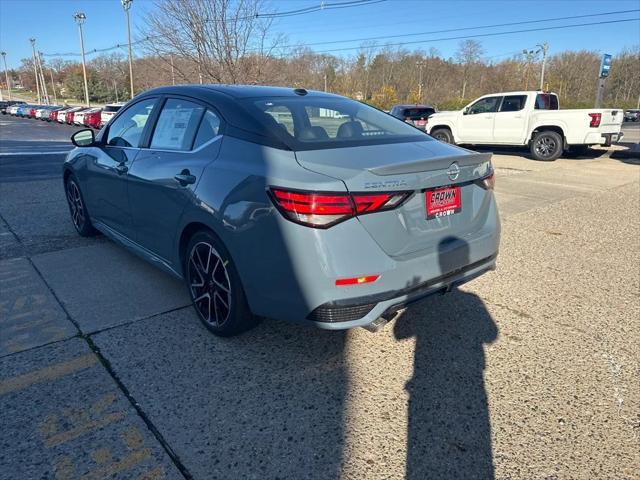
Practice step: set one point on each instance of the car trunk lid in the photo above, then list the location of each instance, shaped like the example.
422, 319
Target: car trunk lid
416, 167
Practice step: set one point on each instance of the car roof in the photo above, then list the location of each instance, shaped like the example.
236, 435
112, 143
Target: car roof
235, 91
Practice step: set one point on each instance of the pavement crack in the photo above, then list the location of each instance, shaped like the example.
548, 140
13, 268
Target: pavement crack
141, 413
121, 386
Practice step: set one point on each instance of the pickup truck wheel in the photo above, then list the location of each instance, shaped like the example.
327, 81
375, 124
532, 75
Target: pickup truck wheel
546, 146
443, 135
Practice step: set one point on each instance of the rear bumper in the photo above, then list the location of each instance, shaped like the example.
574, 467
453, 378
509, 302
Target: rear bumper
364, 311
599, 138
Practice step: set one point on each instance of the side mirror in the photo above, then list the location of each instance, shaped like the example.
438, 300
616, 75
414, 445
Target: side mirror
83, 138
465, 111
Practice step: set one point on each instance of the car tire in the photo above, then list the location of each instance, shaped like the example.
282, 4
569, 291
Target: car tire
546, 146
77, 208
442, 134
214, 286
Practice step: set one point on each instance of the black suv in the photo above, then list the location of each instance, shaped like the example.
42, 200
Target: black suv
416, 115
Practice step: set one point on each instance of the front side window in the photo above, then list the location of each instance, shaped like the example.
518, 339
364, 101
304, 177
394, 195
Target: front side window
126, 130
513, 103
484, 105
177, 125
322, 122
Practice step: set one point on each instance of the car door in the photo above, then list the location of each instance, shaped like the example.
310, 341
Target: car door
476, 124
510, 121
186, 137
107, 170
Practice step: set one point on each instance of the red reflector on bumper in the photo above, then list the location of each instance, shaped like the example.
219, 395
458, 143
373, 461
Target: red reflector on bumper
356, 280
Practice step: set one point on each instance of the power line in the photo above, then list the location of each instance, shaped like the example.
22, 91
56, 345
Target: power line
269, 15
556, 27
403, 35
462, 37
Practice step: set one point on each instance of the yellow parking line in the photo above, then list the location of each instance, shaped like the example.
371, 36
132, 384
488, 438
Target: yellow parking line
63, 437
47, 374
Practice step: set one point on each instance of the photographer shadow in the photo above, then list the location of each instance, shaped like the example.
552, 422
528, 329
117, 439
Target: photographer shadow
449, 430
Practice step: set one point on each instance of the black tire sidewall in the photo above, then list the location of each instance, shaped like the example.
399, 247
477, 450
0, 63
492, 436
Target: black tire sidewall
448, 137
240, 316
559, 147
87, 229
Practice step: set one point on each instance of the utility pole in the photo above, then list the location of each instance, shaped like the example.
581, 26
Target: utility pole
115, 87
53, 85
420, 64
325, 81
545, 49
605, 66
173, 73
80, 17
6, 73
35, 68
126, 4
42, 82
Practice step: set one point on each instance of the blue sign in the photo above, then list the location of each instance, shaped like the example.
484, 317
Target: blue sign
605, 65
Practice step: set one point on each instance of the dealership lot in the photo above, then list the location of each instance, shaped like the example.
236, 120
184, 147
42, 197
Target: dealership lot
528, 372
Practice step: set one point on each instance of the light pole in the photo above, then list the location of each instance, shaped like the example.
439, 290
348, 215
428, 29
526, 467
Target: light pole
6, 73
544, 48
420, 65
35, 68
126, 4
80, 17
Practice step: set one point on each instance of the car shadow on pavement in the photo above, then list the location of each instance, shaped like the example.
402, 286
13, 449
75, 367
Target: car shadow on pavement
449, 430
588, 154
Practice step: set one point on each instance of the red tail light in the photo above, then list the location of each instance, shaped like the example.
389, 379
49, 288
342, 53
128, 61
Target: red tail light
323, 210
595, 119
341, 282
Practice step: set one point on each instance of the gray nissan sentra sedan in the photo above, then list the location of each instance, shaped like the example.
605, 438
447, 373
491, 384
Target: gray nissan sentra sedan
285, 203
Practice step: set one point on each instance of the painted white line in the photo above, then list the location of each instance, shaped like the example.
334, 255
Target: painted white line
11, 154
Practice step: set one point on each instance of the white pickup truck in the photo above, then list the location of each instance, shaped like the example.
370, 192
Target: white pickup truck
527, 118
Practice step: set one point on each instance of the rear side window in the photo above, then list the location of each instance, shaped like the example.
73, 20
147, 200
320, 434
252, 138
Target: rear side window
177, 125
484, 105
546, 101
209, 128
513, 103
126, 130
417, 113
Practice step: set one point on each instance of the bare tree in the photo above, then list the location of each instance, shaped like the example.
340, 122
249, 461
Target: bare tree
227, 39
468, 55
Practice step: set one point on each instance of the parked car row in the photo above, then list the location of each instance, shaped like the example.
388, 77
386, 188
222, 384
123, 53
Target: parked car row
8, 103
92, 117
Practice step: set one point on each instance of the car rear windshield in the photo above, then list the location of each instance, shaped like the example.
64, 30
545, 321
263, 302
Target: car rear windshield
111, 108
546, 101
315, 123
417, 113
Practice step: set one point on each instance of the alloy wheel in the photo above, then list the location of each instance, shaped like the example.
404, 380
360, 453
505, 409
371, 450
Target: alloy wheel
75, 204
209, 284
545, 146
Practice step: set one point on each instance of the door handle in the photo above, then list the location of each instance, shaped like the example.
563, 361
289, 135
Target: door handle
185, 178
121, 168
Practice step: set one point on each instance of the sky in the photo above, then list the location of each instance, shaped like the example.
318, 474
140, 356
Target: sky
51, 23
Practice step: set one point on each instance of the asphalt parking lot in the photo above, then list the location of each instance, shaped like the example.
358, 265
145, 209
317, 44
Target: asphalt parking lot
529, 372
